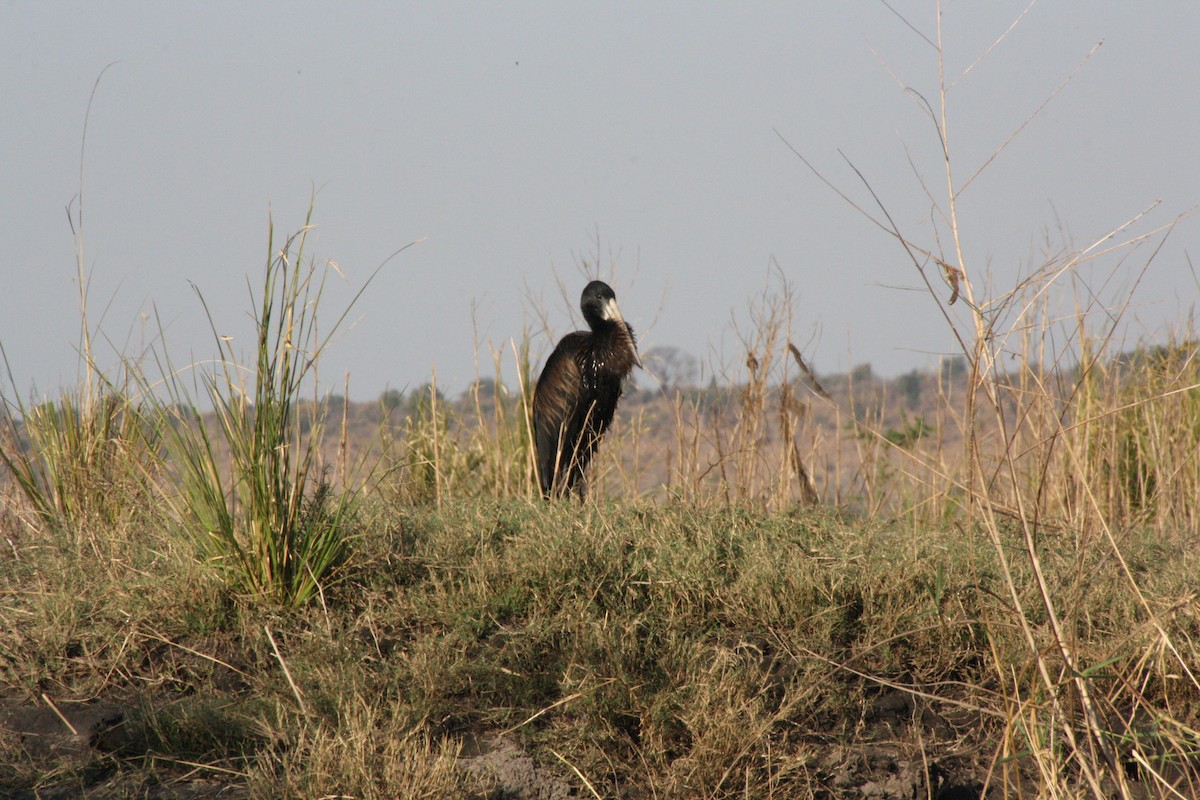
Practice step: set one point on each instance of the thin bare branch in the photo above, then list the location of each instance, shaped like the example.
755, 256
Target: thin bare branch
908, 24
993, 45
1030, 118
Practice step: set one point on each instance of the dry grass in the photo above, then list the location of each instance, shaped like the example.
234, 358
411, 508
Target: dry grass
676, 652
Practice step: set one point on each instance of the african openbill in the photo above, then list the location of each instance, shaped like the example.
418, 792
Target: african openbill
577, 393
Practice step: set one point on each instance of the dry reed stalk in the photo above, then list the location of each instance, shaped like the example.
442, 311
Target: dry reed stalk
527, 420
437, 441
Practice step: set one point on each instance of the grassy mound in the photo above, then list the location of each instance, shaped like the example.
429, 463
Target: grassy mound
631, 651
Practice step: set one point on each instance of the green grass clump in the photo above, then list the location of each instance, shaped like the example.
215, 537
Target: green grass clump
80, 460
251, 493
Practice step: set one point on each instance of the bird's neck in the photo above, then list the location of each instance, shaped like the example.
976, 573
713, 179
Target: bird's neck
609, 329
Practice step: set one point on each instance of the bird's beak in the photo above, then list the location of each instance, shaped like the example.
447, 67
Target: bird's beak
613, 314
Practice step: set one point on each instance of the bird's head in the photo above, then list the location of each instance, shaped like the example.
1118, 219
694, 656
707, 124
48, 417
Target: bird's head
599, 305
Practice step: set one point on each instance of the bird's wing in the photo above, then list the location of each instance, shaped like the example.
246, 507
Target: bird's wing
554, 402
557, 389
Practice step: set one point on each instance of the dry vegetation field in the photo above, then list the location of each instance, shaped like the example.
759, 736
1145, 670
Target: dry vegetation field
968, 583
217, 580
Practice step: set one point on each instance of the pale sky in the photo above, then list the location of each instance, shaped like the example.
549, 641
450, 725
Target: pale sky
508, 136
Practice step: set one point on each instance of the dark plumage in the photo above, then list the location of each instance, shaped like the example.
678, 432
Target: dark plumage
577, 393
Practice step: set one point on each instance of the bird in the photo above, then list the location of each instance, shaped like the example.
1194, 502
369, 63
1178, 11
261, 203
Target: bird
577, 393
